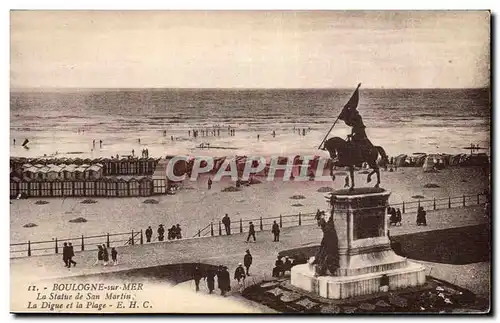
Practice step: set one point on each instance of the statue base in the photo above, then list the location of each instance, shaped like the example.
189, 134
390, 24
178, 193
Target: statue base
365, 255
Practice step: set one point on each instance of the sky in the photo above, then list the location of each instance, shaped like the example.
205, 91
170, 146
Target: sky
249, 49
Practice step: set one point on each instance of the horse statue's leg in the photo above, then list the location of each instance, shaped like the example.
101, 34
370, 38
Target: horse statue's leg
369, 177
331, 170
351, 172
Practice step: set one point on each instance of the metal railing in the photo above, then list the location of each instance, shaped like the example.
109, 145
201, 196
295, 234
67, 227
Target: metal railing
218, 229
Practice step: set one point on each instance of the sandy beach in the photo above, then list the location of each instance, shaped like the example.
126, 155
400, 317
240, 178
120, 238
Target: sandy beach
195, 206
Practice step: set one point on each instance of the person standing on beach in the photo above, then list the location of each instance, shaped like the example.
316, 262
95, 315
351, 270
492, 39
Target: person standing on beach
178, 234
105, 255
114, 256
71, 254
100, 143
14, 141
210, 278
346, 181
227, 224
251, 231
133, 151
149, 234
93, 143
247, 261
274, 134
258, 137
139, 140
276, 232
100, 255
209, 183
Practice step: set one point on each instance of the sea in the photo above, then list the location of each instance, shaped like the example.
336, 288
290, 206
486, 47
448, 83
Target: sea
64, 123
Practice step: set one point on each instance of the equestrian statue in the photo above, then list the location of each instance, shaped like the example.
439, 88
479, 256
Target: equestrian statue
357, 149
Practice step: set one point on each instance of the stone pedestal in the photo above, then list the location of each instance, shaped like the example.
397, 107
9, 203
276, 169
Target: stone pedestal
364, 250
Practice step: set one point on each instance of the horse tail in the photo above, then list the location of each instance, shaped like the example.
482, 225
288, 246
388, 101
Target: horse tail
382, 153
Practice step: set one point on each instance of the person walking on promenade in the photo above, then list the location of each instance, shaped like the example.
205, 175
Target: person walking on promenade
398, 216
114, 256
346, 181
239, 275
149, 234
210, 278
251, 232
227, 224
105, 255
161, 232
276, 232
71, 254
65, 255
100, 255
421, 219
197, 277
247, 261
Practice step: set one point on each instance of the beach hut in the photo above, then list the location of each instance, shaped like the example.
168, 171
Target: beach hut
46, 188
24, 186
122, 185
57, 188
93, 172
160, 180
101, 187
79, 187
14, 186
145, 186
67, 188
90, 188
133, 186
111, 188
30, 172
34, 189
432, 163
54, 172
400, 160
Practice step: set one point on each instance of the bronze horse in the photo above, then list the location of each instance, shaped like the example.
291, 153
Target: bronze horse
345, 153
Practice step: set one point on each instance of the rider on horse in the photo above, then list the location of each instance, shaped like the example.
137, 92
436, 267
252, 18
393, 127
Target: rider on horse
357, 139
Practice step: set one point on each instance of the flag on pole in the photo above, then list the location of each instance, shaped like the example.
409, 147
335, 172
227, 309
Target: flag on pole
350, 106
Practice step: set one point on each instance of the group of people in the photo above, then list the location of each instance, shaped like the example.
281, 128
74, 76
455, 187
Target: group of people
103, 255
281, 267
223, 276
394, 216
175, 232
93, 144
68, 254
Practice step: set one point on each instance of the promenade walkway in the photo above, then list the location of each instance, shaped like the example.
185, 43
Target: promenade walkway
226, 250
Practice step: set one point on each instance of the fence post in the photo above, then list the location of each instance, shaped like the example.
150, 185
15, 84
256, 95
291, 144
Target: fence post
142, 239
220, 228
463, 199
29, 248
434, 203
478, 199
418, 204
449, 202
281, 221
261, 227
211, 229
107, 240
83, 244
241, 226
300, 219
57, 247
404, 210
132, 237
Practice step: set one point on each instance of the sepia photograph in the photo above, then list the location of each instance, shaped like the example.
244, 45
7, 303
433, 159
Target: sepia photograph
250, 161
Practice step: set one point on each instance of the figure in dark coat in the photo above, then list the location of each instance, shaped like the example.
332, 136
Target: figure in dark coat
278, 267
327, 257
149, 234
276, 232
71, 254
65, 255
100, 255
210, 278
251, 232
247, 261
239, 276
114, 256
227, 224
178, 234
197, 275
161, 232
223, 279
421, 216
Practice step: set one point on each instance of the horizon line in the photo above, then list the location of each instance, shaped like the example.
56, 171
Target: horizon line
23, 89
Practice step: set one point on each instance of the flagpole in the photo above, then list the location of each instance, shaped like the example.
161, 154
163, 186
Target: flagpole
319, 147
